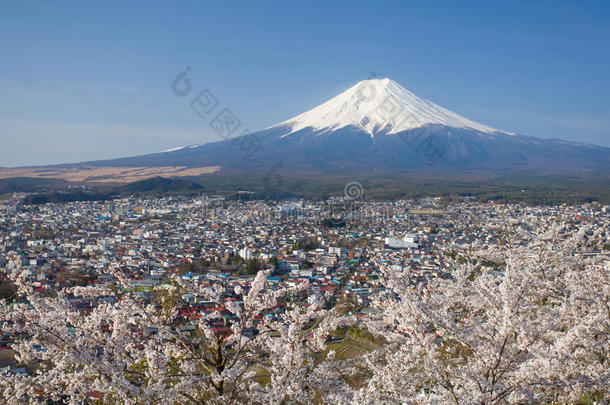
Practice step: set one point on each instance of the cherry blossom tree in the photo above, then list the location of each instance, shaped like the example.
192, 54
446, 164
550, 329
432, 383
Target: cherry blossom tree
525, 321
133, 351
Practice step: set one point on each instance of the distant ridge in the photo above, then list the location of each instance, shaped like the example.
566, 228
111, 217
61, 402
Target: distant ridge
161, 185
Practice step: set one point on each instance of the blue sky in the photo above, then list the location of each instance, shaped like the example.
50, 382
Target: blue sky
91, 80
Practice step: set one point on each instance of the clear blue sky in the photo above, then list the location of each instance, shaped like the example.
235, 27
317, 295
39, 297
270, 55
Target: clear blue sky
91, 80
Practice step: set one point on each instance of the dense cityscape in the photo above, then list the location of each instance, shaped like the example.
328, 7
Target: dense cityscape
210, 239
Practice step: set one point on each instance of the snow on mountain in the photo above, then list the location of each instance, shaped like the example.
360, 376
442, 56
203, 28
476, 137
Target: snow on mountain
380, 106
180, 148
173, 149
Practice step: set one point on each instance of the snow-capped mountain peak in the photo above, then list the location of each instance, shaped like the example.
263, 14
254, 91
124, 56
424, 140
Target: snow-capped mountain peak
380, 106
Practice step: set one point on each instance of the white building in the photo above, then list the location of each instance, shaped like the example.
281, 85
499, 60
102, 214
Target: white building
407, 242
246, 253
339, 251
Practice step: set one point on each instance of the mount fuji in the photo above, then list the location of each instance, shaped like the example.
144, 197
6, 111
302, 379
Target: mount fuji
377, 126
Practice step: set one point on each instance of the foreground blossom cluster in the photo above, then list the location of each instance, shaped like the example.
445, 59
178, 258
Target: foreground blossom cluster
525, 321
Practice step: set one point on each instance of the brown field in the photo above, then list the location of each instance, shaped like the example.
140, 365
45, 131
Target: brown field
106, 174
430, 211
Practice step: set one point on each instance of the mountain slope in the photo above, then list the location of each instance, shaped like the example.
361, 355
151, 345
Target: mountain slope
377, 126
